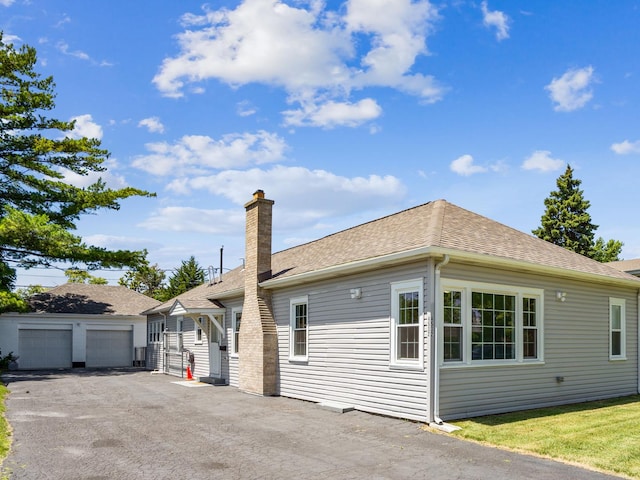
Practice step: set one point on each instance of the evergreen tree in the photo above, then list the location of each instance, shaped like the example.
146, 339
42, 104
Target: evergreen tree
38, 209
186, 277
567, 223
146, 279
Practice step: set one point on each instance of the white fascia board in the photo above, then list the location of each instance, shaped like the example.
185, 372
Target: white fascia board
425, 252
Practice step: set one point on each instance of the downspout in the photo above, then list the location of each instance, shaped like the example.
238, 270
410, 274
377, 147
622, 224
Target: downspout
638, 364
436, 351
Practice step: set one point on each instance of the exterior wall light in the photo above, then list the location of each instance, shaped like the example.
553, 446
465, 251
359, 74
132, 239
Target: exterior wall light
561, 296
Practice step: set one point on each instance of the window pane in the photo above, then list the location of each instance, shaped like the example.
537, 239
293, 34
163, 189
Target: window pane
495, 340
616, 344
616, 317
408, 342
300, 342
452, 344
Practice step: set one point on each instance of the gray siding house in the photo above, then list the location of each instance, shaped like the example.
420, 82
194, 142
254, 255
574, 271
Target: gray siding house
430, 314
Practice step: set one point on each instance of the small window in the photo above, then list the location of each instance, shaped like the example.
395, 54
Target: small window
198, 327
156, 330
236, 316
617, 337
406, 324
298, 330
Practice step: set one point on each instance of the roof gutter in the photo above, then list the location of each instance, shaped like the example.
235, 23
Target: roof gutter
424, 252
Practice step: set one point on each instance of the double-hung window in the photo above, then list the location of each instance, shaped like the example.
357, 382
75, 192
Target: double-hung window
490, 324
198, 330
236, 316
407, 324
156, 329
617, 337
299, 329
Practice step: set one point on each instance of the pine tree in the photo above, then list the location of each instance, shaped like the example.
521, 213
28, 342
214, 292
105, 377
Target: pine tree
38, 209
567, 223
186, 277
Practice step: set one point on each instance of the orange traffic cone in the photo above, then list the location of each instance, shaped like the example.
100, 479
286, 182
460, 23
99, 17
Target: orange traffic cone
189, 375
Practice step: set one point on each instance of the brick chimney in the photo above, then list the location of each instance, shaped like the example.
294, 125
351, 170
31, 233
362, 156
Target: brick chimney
258, 349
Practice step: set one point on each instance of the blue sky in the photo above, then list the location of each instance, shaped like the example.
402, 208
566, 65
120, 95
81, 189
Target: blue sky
340, 111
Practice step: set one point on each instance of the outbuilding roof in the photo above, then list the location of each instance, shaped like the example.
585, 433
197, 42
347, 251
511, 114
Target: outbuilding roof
432, 229
629, 266
79, 298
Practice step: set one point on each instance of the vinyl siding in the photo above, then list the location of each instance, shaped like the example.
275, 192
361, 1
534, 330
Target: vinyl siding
576, 347
349, 346
231, 361
155, 351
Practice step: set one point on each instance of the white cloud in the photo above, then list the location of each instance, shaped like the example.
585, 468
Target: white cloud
245, 108
310, 52
111, 179
64, 48
464, 166
497, 20
189, 219
6, 3
85, 127
115, 242
332, 114
626, 147
325, 194
7, 39
543, 161
572, 90
153, 124
199, 153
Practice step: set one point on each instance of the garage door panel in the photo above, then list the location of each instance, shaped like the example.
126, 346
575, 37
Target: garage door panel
109, 348
44, 348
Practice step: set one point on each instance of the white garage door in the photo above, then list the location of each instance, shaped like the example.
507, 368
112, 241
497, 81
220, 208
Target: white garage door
109, 348
43, 348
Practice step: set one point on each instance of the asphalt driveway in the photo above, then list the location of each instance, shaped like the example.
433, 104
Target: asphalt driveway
134, 425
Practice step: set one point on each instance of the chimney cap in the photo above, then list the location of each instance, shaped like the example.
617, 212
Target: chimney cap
258, 194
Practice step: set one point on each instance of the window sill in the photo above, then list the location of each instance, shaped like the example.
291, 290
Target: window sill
461, 366
617, 359
299, 360
416, 367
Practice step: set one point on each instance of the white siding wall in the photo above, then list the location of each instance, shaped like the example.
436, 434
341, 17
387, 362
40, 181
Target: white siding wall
576, 347
229, 359
349, 346
155, 351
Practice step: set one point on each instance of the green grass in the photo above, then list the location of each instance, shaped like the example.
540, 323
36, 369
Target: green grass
5, 431
602, 435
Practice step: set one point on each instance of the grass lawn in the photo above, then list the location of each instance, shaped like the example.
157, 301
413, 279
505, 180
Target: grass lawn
5, 432
603, 435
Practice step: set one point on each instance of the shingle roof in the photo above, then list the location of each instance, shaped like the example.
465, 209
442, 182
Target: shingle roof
79, 298
627, 265
437, 224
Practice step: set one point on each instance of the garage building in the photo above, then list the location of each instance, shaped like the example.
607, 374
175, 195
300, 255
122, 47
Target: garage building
77, 325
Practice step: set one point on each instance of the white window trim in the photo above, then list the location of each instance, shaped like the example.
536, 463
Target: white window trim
620, 302
396, 289
466, 288
234, 348
292, 319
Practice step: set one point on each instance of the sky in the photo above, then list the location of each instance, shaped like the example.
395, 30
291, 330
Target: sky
341, 111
